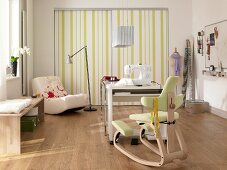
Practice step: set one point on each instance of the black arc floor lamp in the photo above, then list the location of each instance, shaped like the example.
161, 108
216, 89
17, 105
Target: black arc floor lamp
69, 61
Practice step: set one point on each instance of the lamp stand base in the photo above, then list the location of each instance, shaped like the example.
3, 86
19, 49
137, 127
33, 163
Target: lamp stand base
90, 109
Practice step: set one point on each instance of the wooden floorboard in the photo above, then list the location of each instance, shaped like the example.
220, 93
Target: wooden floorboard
76, 141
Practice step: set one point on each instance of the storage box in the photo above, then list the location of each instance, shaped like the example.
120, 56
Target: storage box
33, 112
28, 123
30, 120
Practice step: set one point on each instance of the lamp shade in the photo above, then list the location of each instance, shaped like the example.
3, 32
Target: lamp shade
123, 36
68, 60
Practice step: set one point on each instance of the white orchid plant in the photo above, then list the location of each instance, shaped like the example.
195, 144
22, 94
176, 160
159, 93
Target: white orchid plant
24, 50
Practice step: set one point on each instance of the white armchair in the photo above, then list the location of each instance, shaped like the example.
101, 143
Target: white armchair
56, 99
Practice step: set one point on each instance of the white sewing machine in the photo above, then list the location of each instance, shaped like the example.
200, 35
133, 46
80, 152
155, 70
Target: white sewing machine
143, 72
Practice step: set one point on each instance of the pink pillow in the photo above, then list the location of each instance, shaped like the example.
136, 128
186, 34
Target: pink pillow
54, 91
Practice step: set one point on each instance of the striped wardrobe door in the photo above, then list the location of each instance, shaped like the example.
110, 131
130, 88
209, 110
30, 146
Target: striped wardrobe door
150, 41
74, 30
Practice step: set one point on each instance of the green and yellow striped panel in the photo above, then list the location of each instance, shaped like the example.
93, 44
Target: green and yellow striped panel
74, 29
150, 41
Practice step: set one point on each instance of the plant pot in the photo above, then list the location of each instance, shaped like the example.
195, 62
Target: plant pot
14, 68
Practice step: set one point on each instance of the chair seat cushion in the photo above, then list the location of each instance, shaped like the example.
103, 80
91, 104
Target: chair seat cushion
145, 117
123, 128
14, 105
58, 105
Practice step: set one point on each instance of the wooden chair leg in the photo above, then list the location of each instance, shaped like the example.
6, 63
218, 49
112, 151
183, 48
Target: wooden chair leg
133, 156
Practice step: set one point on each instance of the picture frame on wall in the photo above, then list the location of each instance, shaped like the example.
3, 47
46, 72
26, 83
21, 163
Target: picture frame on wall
215, 47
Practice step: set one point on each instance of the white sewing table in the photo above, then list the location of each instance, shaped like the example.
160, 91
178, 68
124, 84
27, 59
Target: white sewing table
123, 94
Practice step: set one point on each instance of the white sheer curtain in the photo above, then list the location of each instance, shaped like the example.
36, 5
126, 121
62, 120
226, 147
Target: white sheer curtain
4, 45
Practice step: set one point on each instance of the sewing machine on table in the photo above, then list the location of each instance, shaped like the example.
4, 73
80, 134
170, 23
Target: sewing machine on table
144, 76
127, 90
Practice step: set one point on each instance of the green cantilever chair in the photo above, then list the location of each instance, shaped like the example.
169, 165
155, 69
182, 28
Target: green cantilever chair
164, 112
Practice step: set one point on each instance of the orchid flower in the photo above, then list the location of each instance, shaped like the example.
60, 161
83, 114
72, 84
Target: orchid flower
25, 50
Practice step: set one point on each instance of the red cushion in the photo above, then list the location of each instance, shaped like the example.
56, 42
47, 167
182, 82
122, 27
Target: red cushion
54, 91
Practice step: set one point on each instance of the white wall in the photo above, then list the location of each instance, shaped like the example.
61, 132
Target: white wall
29, 8
180, 26
13, 87
14, 84
211, 89
4, 46
14, 27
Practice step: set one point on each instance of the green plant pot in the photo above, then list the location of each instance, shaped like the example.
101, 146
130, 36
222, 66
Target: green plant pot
14, 68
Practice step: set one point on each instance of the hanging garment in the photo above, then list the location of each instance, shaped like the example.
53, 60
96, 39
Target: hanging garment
187, 88
176, 56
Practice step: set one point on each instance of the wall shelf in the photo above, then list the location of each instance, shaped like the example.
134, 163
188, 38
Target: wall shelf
215, 73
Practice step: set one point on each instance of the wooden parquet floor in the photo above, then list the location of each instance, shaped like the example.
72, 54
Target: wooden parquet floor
76, 141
